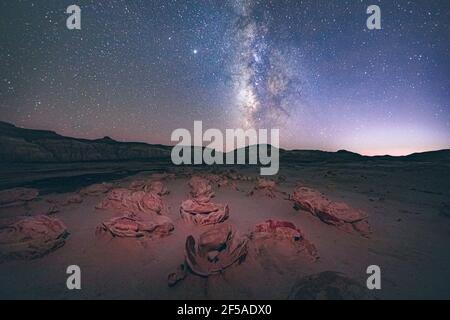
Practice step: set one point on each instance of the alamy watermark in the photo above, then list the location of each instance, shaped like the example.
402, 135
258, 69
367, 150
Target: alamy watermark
236, 146
73, 22
73, 282
374, 280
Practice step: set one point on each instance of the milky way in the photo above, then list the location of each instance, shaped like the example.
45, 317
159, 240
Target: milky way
266, 82
137, 70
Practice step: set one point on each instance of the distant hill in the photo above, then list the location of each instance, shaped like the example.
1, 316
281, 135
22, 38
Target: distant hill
28, 145
430, 156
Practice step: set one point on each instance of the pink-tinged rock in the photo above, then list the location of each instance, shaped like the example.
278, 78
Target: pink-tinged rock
137, 185
73, 199
50, 209
152, 202
31, 237
201, 189
331, 212
17, 196
203, 213
154, 186
157, 187
221, 181
96, 189
177, 276
265, 187
285, 231
215, 250
328, 285
162, 176
234, 175
137, 225
125, 200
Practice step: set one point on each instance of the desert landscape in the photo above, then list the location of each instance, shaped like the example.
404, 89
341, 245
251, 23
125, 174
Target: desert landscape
224, 150
141, 228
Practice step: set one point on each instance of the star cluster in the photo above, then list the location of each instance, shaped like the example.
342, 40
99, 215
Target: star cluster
139, 69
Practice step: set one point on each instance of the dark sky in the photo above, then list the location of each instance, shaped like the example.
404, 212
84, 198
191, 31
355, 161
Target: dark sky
139, 69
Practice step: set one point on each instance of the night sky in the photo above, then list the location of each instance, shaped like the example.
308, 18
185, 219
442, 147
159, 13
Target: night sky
139, 69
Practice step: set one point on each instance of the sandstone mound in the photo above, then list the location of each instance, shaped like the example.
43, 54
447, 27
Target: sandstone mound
217, 180
200, 210
17, 196
287, 232
201, 189
203, 213
125, 200
96, 189
180, 274
328, 285
265, 187
236, 176
335, 213
162, 176
154, 186
136, 226
226, 179
215, 250
73, 199
31, 237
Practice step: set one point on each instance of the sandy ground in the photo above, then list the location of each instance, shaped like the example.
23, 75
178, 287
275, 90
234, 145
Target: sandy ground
410, 240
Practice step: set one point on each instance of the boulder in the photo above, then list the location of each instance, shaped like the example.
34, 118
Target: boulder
200, 210
96, 189
285, 231
162, 176
201, 189
31, 237
157, 187
328, 285
214, 251
331, 212
221, 181
177, 276
17, 196
132, 225
154, 186
73, 199
125, 200
203, 213
266, 187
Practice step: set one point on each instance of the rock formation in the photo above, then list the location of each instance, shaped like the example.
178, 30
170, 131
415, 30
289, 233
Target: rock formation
124, 200
96, 189
203, 213
284, 231
154, 186
215, 250
265, 187
338, 214
17, 196
201, 189
31, 237
328, 285
132, 225
200, 210
73, 199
